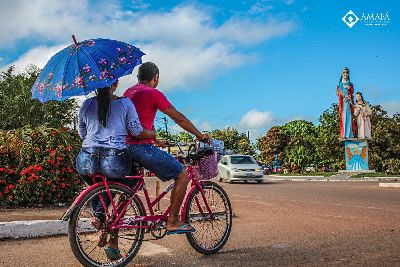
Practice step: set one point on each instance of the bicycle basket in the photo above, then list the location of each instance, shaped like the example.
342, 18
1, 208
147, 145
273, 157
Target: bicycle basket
205, 164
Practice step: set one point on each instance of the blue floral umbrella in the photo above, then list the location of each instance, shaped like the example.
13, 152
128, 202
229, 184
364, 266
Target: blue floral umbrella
83, 67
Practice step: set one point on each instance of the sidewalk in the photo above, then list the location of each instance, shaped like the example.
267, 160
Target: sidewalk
32, 222
38, 222
26, 214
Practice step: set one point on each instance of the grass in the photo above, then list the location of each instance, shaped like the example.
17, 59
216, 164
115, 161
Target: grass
325, 174
374, 174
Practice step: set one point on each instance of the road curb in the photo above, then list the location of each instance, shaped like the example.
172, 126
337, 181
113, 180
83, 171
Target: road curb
309, 179
32, 229
391, 185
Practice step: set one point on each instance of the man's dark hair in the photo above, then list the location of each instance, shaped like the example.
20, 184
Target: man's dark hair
147, 71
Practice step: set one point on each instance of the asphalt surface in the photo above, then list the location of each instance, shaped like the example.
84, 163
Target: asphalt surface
276, 224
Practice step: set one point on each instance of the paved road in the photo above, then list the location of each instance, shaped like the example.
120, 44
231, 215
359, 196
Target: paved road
276, 224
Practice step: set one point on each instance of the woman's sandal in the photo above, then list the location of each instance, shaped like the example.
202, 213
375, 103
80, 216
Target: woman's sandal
112, 253
181, 230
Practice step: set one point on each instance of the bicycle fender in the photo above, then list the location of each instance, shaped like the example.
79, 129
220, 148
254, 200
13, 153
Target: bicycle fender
67, 214
78, 199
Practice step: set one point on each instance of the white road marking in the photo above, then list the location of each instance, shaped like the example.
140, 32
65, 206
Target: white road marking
149, 249
391, 185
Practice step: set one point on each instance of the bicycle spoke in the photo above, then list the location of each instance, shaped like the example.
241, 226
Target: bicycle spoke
211, 229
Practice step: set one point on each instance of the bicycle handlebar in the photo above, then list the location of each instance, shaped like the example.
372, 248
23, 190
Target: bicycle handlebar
192, 147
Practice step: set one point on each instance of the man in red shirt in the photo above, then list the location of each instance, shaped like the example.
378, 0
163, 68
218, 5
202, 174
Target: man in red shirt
147, 100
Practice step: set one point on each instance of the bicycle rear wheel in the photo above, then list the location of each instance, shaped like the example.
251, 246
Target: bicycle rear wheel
211, 233
88, 241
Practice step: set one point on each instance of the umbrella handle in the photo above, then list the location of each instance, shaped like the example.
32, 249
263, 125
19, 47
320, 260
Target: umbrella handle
73, 37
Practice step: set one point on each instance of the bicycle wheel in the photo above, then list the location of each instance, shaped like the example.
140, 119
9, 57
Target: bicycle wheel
88, 240
211, 233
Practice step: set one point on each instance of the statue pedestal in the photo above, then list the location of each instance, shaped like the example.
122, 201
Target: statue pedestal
356, 154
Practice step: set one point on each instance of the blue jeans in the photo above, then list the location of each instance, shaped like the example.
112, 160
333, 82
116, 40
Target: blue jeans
110, 162
114, 164
159, 162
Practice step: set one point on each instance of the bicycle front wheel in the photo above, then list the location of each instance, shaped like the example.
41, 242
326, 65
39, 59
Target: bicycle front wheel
212, 231
89, 233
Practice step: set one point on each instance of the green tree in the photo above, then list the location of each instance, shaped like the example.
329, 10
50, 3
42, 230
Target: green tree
233, 140
396, 117
178, 137
17, 109
385, 145
167, 136
244, 147
274, 142
327, 146
301, 136
185, 137
300, 157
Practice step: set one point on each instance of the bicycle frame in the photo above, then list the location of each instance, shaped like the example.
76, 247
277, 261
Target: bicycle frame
151, 217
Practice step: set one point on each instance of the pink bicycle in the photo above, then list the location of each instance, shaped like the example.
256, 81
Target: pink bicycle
125, 218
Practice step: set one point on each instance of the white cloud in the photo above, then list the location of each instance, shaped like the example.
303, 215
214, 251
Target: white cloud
205, 126
246, 31
391, 107
258, 8
38, 56
190, 65
255, 119
186, 42
139, 4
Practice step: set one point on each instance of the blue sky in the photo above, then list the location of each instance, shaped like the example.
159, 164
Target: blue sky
247, 64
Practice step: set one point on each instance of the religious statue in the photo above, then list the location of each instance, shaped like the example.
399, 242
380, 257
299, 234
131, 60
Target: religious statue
363, 113
357, 160
345, 91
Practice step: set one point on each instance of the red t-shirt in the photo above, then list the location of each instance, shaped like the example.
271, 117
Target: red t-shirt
147, 101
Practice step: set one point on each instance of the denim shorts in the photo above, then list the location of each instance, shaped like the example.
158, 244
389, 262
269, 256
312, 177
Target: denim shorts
159, 162
110, 162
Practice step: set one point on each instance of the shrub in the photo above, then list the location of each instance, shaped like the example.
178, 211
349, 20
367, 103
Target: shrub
37, 166
392, 166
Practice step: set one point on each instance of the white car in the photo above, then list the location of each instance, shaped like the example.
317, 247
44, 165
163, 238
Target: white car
239, 168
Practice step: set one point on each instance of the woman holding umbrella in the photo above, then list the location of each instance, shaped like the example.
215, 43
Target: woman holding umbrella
104, 120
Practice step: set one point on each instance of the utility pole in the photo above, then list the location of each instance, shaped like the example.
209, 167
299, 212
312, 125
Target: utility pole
165, 124
165, 120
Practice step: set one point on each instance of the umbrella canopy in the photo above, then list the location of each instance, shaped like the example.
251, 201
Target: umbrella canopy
83, 67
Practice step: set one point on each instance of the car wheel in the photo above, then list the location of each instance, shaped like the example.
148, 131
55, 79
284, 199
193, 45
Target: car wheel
219, 178
229, 180
259, 181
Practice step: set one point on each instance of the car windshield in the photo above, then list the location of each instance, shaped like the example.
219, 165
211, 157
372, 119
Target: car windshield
241, 160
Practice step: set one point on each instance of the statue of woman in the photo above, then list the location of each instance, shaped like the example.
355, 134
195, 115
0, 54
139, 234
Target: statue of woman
345, 91
363, 113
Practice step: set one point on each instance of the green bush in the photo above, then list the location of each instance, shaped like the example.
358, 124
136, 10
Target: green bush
37, 166
392, 166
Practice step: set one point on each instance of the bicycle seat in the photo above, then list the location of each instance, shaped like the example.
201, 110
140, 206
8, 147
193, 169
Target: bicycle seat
136, 167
